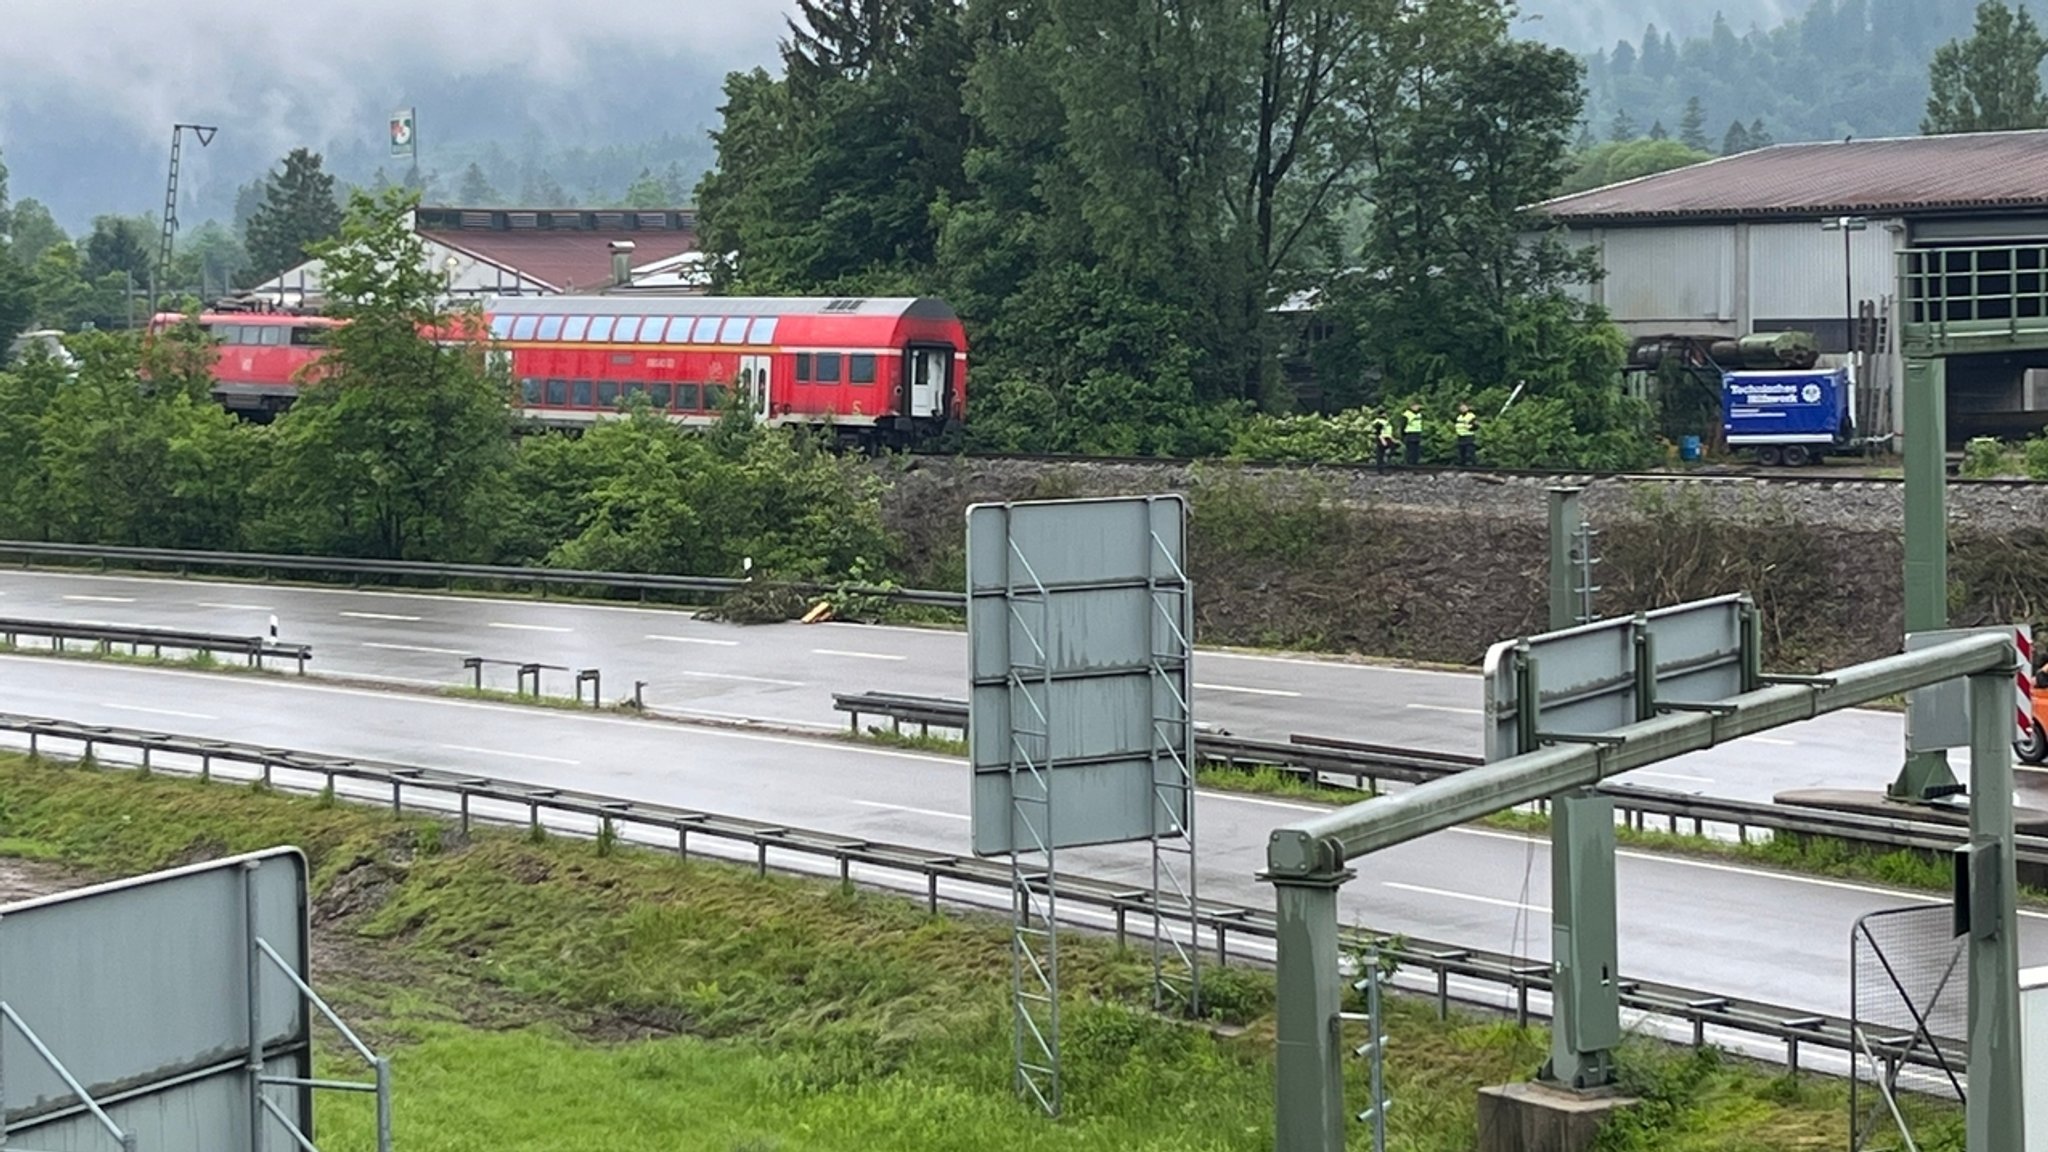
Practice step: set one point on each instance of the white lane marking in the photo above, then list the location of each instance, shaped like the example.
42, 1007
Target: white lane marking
512, 755
1447, 708
736, 676
532, 627
104, 599
1238, 798
415, 648
160, 711
856, 655
907, 808
1344, 665
1246, 691
1671, 776
1679, 861
381, 616
1449, 895
1775, 740
236, 607
692, 640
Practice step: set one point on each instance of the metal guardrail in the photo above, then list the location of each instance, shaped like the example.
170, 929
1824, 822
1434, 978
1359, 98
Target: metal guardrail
543, 578
1371, 764
1516, 977
255, 648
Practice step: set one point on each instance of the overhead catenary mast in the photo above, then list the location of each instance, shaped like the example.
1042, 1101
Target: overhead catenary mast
170, 223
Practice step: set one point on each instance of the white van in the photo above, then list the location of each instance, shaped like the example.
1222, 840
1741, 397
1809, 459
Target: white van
49, 339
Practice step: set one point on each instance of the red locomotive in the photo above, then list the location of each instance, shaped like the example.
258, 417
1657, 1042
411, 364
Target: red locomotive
892, 371
261, 355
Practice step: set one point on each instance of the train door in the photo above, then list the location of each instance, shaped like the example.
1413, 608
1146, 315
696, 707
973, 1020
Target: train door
754, 377
929, 371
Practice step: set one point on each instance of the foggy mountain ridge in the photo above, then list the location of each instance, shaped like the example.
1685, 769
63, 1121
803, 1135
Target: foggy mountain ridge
88, 92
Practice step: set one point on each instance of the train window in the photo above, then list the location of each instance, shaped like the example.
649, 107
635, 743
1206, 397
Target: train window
558, 392
530, 390
659, 394
686, 398
714, 397
501, 326
733, 331
576, 328
273, 336
607, 393
636, 388
600, 329
678, 331
582, 393
828, 368
860, 369
304, 336
761, 330
522, 328
651, 330
550, 328
803, 367
706, 331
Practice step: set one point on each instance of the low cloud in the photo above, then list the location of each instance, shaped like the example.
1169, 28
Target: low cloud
291, 72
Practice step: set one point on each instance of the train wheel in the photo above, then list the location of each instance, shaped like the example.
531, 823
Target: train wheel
1795, 456
1768, 456
2033, 749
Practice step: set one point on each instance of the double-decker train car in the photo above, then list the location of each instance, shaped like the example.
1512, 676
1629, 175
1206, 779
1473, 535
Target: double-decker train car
890, 370
258, 366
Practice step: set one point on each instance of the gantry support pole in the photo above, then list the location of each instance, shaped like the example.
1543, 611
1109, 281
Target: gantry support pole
1992, 1110
1584, 951
1926, 775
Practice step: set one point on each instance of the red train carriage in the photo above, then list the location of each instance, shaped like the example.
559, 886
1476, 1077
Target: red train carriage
894, 370
261, 354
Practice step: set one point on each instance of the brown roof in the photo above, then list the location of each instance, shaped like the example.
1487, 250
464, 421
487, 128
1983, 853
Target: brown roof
1996, 171
569, 261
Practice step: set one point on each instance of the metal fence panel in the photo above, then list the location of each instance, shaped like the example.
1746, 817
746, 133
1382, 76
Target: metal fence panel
140, 989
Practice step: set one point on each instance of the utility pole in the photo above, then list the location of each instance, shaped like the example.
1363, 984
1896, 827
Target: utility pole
1847, 226
204, 133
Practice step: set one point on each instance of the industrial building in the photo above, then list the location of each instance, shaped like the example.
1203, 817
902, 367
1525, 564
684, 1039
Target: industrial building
1808, 237
485, 252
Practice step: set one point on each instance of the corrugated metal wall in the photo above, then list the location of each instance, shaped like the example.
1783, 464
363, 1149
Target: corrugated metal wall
1795, 270
1682, 275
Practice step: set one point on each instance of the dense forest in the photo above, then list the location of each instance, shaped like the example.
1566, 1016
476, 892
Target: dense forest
1840, 68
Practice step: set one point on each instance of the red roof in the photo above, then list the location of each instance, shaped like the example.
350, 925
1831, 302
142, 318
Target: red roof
1916, 175
570, 261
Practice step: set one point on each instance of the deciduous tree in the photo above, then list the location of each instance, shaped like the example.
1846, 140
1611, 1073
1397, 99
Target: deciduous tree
399, 447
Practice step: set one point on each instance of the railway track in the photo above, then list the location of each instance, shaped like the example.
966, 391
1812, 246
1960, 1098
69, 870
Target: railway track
1816, 477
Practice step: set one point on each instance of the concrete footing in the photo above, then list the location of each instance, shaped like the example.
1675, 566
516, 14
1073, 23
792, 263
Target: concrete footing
1537, 1117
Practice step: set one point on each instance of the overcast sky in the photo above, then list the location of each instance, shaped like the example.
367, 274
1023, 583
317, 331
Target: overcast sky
309, 69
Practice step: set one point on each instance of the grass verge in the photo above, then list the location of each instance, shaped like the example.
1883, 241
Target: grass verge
545, 995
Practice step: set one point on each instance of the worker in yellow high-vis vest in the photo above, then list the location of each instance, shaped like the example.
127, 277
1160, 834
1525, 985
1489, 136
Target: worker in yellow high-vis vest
1411, 432
1467, 426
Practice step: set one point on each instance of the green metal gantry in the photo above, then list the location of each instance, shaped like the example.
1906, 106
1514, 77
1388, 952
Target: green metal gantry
1952, 302
1309, 862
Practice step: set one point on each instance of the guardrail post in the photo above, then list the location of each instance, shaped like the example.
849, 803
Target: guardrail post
639, 704
475, 664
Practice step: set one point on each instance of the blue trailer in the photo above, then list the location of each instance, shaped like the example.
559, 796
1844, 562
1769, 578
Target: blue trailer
1789, 417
